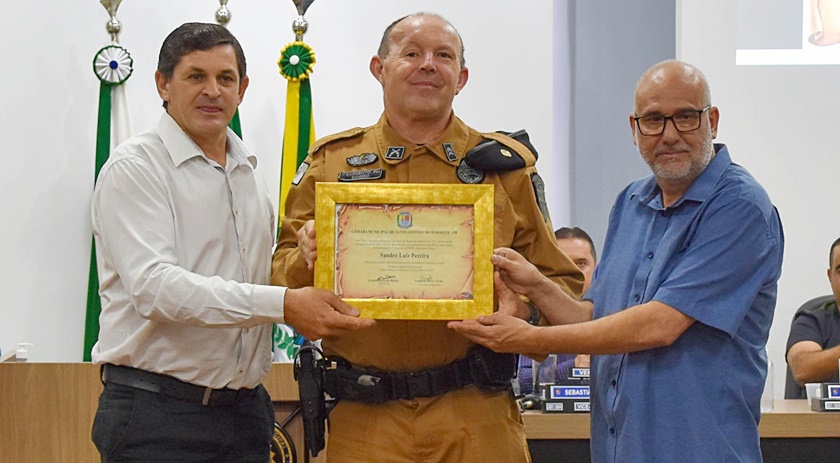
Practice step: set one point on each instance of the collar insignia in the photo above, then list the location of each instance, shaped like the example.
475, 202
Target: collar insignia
395, 153
450, 152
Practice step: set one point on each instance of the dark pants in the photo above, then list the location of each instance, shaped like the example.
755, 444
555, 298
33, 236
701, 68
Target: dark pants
133, 425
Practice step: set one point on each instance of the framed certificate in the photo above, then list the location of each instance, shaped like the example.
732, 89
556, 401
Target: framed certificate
406, 251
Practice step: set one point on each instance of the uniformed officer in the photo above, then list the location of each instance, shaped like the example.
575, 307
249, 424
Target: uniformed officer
418, 139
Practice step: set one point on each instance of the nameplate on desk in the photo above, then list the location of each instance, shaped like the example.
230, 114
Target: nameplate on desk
581, 406
827, 398
553, 407
580, 372
832, 405
568, 392
565, 406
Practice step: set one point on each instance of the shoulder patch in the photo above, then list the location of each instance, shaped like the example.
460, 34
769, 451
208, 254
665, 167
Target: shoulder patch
539, 192
336, 136
300, 172
502, 152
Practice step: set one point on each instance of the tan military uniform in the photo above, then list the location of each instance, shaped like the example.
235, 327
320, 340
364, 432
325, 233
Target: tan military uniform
460, 426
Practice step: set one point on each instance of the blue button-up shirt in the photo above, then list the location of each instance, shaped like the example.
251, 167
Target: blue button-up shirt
715, 255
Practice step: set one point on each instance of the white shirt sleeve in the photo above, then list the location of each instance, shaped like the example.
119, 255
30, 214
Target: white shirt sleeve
137, 232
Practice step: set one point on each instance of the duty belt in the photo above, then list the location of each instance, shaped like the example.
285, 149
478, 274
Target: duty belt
483, 368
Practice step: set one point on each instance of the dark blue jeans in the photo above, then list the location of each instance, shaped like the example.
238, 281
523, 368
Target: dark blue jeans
134, 425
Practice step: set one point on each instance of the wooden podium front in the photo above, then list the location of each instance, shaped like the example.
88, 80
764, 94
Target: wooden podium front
47, 410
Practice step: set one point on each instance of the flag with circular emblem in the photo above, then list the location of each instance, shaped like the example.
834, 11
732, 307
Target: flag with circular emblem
296, 61
113, 66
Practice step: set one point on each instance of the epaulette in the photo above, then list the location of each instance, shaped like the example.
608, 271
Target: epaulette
502, 152
336, 136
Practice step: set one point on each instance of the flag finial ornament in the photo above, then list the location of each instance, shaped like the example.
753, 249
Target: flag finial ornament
299, 25
113, 64
113, 26
302, 6
223, 15
296, 61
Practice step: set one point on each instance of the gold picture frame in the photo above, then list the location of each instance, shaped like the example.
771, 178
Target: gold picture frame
333, 199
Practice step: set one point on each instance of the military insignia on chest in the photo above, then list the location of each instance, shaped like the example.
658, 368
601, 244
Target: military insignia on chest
467, 174
395, 153
361, 175
363, 159
450, 152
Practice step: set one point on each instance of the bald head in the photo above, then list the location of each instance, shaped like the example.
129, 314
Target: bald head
387, 39
669, 71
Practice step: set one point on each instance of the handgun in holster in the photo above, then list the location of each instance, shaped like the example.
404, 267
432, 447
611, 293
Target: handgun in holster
309, 370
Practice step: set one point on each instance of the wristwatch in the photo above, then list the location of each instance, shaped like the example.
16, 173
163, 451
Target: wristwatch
535, 314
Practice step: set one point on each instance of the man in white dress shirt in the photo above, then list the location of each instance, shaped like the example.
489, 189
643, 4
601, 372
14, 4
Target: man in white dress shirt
184, 232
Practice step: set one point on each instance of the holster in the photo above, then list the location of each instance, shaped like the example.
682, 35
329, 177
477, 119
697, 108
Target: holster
482, 367
309, 370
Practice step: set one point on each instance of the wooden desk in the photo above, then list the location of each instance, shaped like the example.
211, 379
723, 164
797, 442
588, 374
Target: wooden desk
790, 433
793, 419
789, 419
47, 410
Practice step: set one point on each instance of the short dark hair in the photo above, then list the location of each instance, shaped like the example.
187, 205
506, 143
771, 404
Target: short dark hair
566, 233
385, 43
831, 252
190, 37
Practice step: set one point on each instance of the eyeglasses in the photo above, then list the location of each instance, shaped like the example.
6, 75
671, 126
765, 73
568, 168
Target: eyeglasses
684, 121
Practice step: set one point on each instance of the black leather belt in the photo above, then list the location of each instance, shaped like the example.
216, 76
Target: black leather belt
483, 368
172, 387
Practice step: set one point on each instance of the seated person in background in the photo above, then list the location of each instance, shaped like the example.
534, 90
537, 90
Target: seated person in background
578, 245
813, 347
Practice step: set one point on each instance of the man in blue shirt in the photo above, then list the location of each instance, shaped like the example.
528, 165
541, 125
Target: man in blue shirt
682, 301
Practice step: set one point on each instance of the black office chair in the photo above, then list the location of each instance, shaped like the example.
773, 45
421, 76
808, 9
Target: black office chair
792, 389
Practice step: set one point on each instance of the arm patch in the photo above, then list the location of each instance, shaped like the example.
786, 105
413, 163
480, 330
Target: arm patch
539, 192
